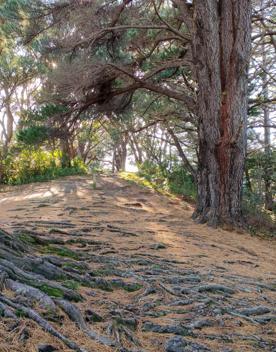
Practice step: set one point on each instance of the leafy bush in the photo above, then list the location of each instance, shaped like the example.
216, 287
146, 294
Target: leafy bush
180, 182
34, 165
33, 135
258, 219
175, 180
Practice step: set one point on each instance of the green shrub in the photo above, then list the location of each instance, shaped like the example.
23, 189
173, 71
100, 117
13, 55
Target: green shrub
175, 179
35, 165
180, 182
258, 219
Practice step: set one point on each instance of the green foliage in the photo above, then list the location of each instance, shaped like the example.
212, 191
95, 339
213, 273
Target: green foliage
132, 287
180, 182
72, 284
175, 180
36, 165
43, 113
33, 135
260, 169
51, 291
61, 251
258, 219
24, 237
132, 177
20, 313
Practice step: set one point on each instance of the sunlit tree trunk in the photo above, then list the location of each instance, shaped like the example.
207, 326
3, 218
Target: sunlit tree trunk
120, 154
9, 123
221, 52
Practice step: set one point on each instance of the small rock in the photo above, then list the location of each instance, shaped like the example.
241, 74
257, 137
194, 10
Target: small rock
176, 344
24, 335
46, 348
217, 311
91, 316
91, 293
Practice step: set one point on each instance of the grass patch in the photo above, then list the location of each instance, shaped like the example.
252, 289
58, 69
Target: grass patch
61, 251
48, 175
102, 272
52, 291
28, 239
72, 284
132, 287
75, 266
20, 313
171, 185
134, 178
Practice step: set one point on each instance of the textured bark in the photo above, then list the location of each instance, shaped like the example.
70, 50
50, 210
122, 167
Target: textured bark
221, 51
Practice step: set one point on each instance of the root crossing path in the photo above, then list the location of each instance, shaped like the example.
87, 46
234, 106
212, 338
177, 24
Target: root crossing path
118, 267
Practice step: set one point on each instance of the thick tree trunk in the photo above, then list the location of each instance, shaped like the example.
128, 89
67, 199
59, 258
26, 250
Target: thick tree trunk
221, 52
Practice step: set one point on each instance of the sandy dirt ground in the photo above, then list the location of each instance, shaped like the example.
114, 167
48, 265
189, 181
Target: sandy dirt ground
188, 287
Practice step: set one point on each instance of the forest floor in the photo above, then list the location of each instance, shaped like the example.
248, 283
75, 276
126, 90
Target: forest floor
162, 282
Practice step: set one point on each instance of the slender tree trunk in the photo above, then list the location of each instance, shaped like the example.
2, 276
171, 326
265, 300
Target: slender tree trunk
268, 161
66, 154
136, 150
187, 165
267, 144
9, 125
268, 155
120, 153
221, 53
248, 180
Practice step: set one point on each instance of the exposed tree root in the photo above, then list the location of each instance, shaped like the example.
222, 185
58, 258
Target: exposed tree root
32, 314
37, 281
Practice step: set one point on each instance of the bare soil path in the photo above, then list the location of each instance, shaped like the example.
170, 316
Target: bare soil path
161, 282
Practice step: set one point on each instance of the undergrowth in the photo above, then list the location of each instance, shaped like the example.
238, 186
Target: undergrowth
37, 165
173, 182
